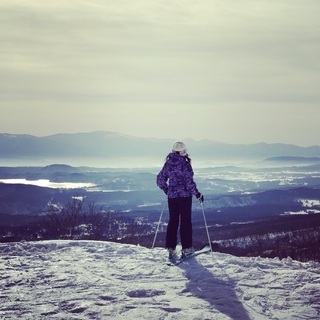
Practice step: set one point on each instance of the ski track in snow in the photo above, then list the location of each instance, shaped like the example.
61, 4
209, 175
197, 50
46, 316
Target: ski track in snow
104, 280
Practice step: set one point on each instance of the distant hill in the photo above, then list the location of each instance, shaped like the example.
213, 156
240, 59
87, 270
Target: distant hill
119, 148
59, 168
294, 159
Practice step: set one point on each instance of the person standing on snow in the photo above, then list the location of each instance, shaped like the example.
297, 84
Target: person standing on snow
176, 180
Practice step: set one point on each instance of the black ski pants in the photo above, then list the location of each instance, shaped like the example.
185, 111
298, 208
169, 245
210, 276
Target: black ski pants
179, 215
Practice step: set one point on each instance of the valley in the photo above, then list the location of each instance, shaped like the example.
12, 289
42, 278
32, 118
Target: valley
242, 204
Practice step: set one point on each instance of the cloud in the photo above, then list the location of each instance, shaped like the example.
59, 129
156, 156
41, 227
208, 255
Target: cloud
147, 50
152, 53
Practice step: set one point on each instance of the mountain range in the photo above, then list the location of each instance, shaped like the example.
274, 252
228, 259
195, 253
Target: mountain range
117, 147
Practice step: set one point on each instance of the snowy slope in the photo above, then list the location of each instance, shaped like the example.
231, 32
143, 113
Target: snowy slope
102, 280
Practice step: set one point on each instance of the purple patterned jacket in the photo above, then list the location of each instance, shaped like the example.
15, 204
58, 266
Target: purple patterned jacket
178, 171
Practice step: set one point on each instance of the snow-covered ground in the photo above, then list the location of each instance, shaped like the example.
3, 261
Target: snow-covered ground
103, 280
309, 203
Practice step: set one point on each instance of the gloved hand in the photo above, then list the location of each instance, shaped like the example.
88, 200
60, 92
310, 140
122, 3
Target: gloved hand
200, 197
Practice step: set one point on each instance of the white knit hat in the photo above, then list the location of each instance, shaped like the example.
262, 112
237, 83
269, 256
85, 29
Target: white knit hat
180, 147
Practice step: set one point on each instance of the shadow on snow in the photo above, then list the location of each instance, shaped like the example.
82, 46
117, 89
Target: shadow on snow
219, 293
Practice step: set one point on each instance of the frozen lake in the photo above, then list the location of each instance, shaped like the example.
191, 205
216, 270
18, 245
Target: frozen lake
49, 184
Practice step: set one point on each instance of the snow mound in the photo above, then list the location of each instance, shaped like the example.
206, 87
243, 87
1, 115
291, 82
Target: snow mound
104, 280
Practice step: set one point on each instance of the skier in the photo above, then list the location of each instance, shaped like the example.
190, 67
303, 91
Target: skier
176, 180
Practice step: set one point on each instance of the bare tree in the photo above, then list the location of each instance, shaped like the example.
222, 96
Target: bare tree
78, 219
72, 216
52, 222
98, 222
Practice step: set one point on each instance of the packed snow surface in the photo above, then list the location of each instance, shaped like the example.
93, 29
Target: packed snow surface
104, 280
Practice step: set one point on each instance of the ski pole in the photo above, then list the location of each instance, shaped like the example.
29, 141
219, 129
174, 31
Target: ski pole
205, 223
155, 236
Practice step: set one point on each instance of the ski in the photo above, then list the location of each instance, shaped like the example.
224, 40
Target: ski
175, 262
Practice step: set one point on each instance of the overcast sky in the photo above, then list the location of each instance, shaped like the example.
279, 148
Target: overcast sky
231, 71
